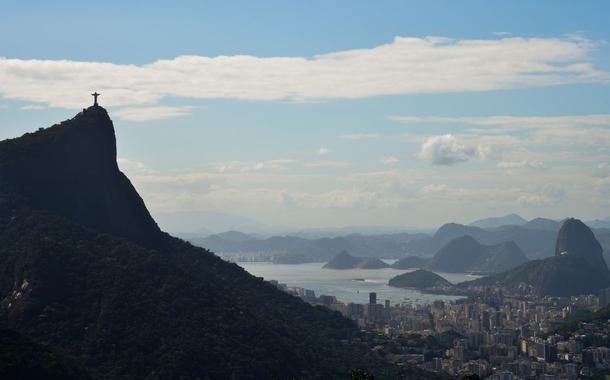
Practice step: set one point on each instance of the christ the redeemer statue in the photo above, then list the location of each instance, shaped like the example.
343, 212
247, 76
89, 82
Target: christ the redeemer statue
95, 95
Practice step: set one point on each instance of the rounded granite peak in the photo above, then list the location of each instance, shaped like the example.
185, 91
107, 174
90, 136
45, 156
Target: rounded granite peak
576, 239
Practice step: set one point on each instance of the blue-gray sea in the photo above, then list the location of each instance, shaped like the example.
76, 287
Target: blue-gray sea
352, 285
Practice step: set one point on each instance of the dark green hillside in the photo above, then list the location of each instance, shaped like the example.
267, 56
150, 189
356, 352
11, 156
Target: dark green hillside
23, 358
84, 269
129, 312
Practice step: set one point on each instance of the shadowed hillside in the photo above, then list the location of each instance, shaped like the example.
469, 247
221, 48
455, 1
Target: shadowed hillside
84, 268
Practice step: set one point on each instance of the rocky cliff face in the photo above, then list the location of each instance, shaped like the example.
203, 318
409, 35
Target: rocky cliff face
577, 268
576, 239
71, 170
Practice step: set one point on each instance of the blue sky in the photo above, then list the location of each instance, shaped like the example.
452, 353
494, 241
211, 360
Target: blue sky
329, 113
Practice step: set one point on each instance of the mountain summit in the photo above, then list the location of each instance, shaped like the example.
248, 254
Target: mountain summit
71, 170
575, 238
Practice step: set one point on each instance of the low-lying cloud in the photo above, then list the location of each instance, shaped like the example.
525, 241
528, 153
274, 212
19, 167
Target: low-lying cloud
152, 113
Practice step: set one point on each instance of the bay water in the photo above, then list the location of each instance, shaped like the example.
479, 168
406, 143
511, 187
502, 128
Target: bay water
349, 285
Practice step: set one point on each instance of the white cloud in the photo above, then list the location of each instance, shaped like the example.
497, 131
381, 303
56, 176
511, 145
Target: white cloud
511, 122
359, 136
34, 107
240, 166
549, 194
323, 151
177, 179
535, 200
152, 113
497, 195
407, 65
446, 150
327, 164
601, 188
390, 160
577, 136
462, 194
520, 164
515, 142
347, 199
433, 190
132, 166
603, 185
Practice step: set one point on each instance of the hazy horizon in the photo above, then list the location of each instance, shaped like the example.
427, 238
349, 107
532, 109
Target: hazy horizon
207, 223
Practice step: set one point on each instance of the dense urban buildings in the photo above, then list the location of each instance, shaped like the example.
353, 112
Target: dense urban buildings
492, 335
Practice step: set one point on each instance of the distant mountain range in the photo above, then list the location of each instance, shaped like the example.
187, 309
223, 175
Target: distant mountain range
466, 255
295, 250
182, 223
599, 223
499, 221
536, 238
577, 266
532, 238
21, 357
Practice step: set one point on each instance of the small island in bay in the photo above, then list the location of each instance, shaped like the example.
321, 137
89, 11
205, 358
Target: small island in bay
346, 261
423, 280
